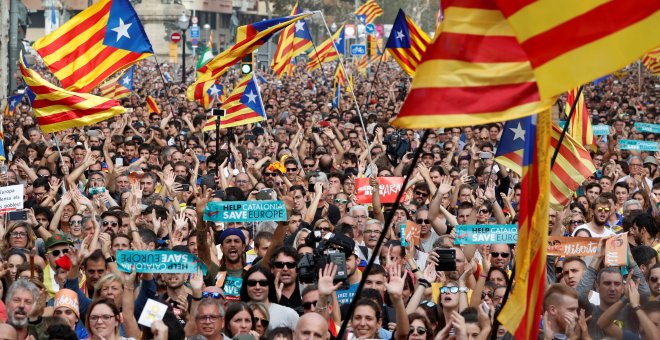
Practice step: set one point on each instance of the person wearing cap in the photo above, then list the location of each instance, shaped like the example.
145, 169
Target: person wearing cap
66, 306
57, 246
233, 244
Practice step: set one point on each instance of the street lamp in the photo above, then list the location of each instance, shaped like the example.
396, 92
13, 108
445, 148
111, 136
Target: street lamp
333, 27
184, 21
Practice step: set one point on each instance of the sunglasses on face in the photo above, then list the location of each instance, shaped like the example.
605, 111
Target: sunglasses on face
483, 211
107, 223
497, 254
308, 305
484, 295
252, 283
292, 169
57, 252
654, 279
448, 290
288, 265
212, 295
308, 165
272, 174
603, 209
423, 221
75, 222
340, 201
420, 330
421, 193
264, 323
577, 222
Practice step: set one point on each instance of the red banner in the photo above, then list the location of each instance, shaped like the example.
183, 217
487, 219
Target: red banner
389, 187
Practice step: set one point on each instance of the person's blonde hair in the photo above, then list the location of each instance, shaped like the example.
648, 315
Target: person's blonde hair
111, 277
261, 307
11, 227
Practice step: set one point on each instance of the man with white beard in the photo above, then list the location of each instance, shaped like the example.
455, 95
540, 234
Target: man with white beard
21, 301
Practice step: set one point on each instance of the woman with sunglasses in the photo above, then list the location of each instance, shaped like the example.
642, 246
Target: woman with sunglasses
420, 327
261, 319
341, 202
324, 226
259, 286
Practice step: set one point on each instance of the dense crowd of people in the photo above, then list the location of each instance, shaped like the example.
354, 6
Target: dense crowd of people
141, 181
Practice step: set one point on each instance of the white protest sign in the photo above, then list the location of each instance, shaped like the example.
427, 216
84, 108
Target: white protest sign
11, 198
153, 310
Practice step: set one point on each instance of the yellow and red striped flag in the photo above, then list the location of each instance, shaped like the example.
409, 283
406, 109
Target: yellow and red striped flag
57, 109
407, 43
473, 73
340, 76
652, 61
324, 52
293, 41
580, 127
99, 41
361, 64
249, 37
572, 166
572, 43
368, 12
521, 313
243, 106
152, 106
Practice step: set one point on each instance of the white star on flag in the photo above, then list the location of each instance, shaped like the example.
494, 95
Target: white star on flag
13, 103
300, 25
126, 81
214, 90
122, 29
252, 97
518, 132
400, 35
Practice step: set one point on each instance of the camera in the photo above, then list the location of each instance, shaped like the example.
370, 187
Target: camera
316, 130
217, 112
334, 250
446, 260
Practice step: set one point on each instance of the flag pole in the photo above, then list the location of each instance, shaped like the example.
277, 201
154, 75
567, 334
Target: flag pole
59, 152
374, 80
381, 239
168, 85
349, 86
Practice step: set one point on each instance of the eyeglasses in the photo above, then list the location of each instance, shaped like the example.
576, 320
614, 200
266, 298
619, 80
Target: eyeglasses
75, 222
497, 254
207, 318
107, 223
292, 169
340, 201
420, 330
18, 234
421, 193
309, 304
212, 295
423, 221
280, 265
272, 174
105, 318
603, 209
483, 211
654, 279
372, 232
263, 322
241, 181
577, 222
57, 252
252, 283
635, 164
308, 165
448, 290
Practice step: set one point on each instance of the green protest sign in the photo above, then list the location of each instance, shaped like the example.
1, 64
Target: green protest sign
158, 261
245, 211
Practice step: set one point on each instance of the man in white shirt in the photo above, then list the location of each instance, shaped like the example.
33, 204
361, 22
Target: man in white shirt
602, 209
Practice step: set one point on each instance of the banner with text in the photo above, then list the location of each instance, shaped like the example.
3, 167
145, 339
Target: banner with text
647, 127
158, 261
572, 246
245, 211
599, 130
388, 188
639, 145
616, 249
486, 233
11, 198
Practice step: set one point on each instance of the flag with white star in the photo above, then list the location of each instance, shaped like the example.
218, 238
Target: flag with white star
12, 104
293, 41
368, 12
217, 92
243, 105
98, 42
124, 85
325, 52
407, 43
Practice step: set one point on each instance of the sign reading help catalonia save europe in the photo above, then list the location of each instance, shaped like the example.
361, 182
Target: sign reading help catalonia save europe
486, 233
158, 261
245, 211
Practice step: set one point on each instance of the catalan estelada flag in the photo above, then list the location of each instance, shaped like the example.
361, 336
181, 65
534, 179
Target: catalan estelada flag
361, 64
368, 12
124, 85
571, 43
152, 106
293, 41
57, 109
12, 104
336, 97
340, 76
99, 41
652, 61
407, 43
325, 52
474, 73
243, 106
3, 155
522, 311
218, 93
580, 126
250, 37
572, 166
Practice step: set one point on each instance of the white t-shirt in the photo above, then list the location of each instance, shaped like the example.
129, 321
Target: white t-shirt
607, 231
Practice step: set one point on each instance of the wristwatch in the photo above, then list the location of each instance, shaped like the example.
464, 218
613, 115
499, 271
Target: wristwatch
109, 259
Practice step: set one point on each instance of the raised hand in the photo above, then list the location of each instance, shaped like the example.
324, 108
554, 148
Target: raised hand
326, 277
490, 191
197, 281
397, 281
445, 185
